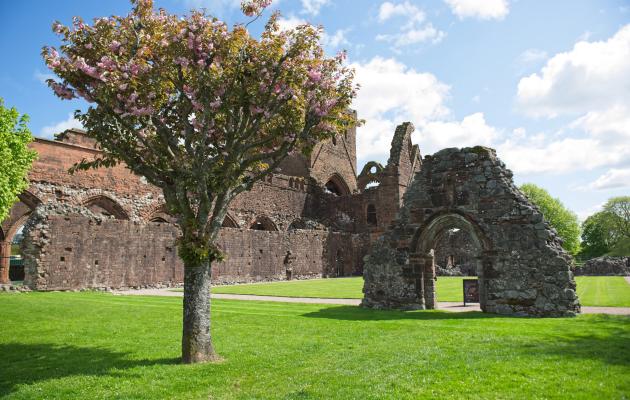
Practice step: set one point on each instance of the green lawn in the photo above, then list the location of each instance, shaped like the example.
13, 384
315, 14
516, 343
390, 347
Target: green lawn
99, 346
609, 291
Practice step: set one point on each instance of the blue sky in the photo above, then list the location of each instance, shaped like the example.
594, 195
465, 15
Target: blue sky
546, 83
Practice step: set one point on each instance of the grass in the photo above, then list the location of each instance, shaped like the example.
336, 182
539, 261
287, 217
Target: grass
596, 291
99, 346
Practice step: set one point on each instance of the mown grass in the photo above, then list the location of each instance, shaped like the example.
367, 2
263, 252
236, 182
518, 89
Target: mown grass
596, 291
99, 346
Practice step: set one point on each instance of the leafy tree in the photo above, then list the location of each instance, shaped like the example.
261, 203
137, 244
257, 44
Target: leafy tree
562, 219
608, 231
15, 156
202, 112
598, 235
619, 210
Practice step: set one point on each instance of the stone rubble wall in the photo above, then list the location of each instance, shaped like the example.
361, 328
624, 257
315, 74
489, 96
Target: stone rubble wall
612, 266
70, 248
524, 270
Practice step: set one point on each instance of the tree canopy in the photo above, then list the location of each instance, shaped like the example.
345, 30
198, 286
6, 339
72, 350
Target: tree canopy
203, 112
15, 156
608, 231
563, 220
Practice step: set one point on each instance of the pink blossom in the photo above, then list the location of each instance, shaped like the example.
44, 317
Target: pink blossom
314, 75
114, 46
61, 90
122, 86
89, 46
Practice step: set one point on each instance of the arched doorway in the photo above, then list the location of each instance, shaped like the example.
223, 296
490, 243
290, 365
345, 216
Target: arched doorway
11, 262
428, 239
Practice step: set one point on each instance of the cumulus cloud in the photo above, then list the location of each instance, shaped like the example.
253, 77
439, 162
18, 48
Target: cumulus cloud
592, 76
613, 179
313, 7
479, 9
415, 30
470, 131
392, 93
49, 131
337, 39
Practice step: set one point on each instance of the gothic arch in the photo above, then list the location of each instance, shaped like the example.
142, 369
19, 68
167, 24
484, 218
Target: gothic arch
263, 223
337, 185
105, 205
229, 222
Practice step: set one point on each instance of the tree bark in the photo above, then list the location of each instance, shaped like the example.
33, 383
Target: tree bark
196, 338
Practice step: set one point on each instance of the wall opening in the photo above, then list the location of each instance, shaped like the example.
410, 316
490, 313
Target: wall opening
434, 247
263, 223
371, 215
105, 206
336, 186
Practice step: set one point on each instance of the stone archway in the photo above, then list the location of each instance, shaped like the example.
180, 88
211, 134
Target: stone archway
425, 241
520, 260
18, 215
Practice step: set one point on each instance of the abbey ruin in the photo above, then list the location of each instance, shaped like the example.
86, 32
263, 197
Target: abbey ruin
316, 216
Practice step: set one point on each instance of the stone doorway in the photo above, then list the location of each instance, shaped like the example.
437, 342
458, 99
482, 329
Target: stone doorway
428, 239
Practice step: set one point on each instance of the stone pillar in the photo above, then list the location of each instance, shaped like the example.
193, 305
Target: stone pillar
486, 274
5, 262
427, 263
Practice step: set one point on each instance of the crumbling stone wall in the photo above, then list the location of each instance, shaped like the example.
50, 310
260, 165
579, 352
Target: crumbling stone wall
523, 269
69, 247
619, 266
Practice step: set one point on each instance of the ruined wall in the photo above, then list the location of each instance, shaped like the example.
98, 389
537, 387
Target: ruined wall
67, 247
523, 269
336, 156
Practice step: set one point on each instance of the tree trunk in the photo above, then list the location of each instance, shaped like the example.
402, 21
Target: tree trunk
196, 339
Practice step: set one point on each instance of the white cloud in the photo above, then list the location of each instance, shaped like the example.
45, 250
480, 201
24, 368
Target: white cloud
291, 22
313, 7
612, 124
480, 9
413, 31
50, 130
390, 94
471, 131
531, 56
337, 39
389, 10
613, 179
592, 76
413, 36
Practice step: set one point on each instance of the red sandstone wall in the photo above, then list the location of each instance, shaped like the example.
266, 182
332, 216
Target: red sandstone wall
74, 252
56, 158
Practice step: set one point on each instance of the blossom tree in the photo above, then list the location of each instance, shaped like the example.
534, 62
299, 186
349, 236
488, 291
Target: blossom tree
202, 111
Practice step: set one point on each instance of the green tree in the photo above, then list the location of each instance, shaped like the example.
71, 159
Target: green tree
619, 210
562, 219
203, 112
15, 156
598, 235
608, 231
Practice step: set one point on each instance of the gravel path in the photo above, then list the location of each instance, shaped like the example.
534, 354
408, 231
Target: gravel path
447, 306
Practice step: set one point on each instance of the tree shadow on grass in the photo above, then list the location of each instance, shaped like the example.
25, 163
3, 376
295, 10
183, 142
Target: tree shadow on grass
607, 341
30, 363
356, 313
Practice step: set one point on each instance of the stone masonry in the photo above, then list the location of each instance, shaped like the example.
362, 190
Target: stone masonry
109, 228
521, 265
